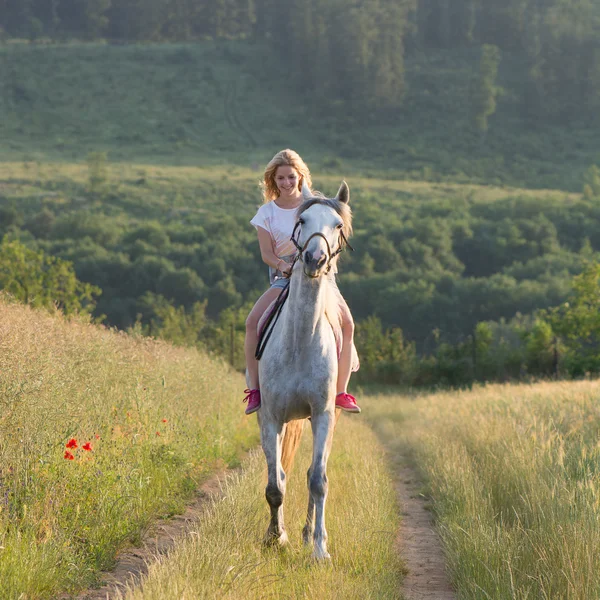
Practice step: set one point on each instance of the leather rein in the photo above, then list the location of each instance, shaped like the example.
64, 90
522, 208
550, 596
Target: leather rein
269, 325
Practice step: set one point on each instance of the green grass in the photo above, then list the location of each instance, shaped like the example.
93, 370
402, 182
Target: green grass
159, 420
224, 557
221, 102
512, 471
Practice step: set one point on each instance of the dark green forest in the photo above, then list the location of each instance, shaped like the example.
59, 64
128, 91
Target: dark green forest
134, 134
354, 50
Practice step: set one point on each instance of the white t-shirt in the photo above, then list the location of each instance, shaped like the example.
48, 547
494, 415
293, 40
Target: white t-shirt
279, 222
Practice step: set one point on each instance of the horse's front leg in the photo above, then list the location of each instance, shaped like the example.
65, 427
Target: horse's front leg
308, 530
271, 436
322, 427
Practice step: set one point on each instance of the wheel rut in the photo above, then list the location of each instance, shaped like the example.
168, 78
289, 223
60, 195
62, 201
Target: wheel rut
419, 543
133, 563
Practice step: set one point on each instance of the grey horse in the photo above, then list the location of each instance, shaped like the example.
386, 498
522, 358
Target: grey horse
298, 369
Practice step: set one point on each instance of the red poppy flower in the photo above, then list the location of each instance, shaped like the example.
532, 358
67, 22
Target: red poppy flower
97, 437
87, 446
68, 455
72, 443
158, 433
165, 421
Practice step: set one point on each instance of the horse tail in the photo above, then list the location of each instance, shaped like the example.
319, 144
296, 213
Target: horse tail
290, 443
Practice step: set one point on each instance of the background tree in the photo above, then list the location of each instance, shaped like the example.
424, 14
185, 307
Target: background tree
45, 281
486, 90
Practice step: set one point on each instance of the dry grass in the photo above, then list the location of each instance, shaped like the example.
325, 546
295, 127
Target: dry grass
513, 472
158, 419
167, 176
224, 557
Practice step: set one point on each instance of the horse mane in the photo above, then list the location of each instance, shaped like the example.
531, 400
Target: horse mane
341, 208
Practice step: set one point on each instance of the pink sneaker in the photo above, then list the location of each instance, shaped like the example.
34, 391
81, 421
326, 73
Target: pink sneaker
253, 399
347, 402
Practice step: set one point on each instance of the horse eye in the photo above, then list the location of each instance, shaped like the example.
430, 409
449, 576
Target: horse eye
339, 225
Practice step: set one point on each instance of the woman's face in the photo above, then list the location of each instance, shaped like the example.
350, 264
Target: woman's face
287, 181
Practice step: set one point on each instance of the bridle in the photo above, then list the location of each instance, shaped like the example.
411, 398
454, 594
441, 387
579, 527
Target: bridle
342, 243
269, 325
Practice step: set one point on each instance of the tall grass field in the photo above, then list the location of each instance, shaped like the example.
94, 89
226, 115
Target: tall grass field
224, 558
513, 472
100, 433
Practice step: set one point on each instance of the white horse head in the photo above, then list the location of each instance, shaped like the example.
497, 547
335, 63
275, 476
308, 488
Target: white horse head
322, 228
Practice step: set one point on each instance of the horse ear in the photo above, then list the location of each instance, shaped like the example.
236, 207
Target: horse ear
343, 194
306, 193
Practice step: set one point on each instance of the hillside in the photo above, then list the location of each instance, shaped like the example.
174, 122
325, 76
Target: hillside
230, 102
428, 256
100, 433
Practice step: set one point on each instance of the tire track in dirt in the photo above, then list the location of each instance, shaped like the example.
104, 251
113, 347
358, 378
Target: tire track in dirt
132, 564
418, 542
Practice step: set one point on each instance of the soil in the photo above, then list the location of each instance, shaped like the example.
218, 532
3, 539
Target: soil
419, 544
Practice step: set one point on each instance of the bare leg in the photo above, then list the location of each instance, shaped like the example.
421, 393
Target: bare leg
271, 436
322, 426
345, 361
252, 336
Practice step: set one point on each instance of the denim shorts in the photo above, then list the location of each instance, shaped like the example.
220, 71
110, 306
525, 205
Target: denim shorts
280, 283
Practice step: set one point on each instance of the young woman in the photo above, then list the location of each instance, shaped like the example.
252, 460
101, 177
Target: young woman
274, 222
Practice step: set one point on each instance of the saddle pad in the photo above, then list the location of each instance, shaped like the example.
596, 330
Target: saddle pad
337, 334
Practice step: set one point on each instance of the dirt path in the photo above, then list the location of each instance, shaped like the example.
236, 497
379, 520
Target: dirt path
132, 564
419, 543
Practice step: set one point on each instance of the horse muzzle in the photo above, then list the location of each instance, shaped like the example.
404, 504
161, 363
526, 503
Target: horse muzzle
314, 264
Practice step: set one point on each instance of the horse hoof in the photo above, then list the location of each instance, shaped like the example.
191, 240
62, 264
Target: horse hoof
322, 557
276, 540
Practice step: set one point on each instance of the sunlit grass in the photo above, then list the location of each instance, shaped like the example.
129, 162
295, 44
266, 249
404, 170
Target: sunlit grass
513, 472
224, 556
158, 419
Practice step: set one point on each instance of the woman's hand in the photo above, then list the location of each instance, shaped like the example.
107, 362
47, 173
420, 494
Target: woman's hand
284, 267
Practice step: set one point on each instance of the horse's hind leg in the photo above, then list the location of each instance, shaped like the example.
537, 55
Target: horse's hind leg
322, 426
271, 434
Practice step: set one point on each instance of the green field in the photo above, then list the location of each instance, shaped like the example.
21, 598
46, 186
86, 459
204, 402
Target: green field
216, 103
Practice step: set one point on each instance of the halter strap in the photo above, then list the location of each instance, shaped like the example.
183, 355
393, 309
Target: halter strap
342, 243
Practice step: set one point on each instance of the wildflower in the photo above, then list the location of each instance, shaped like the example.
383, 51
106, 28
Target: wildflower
72, 443
97, 436
165, 420
68, 455
158, 433
87, 446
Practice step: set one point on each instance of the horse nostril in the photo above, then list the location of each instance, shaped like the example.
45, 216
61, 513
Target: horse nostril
308, 257
321, 261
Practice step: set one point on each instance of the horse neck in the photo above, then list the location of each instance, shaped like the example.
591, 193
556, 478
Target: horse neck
306, 305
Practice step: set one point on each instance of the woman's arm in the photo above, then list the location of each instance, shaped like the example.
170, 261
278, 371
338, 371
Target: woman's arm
266, 251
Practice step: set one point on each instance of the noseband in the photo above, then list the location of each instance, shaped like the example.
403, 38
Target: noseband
342, 243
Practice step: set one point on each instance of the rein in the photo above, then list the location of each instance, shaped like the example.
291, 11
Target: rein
271, 321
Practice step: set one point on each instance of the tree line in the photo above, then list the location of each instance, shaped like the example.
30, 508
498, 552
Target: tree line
436, 283
355, 50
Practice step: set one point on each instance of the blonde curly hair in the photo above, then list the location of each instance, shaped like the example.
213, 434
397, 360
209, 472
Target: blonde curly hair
284, 158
